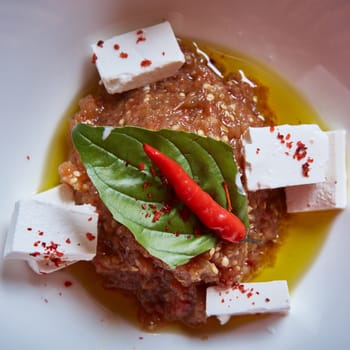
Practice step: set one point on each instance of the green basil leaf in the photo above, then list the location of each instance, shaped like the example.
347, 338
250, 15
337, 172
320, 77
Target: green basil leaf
124, 178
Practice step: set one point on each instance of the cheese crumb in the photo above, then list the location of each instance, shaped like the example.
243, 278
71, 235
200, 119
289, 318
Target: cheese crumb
248, 298
285, 155
137, 58
50, 232
327, 195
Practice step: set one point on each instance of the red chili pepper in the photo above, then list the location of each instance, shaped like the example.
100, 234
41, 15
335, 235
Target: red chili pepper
225, 224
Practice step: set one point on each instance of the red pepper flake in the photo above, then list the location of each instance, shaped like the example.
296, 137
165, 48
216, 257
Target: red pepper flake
100, 43
288, 136
281, 138
36, 243
153, 171
145, 63
116, 47
289, 144
93, 58
306, 169
141, 166
272, 128
184, 213
197, 232
163, 53
310, 160
68, 241
257, 151
90, 236
157, 215
300, 151
43, 244
267, 300
89, 218
68, 284
145, 185
40, 233
29, 229
222, 300
34, 254
144, 206
139, 32
140, 39
123, 55
149, 195
28, 157
249, 295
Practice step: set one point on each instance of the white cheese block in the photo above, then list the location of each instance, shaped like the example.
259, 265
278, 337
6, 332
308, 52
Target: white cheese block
137, 58
248, 298
50, 232
284, 155
330, 194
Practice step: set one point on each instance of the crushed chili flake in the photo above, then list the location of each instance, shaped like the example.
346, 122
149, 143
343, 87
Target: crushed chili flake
36, 243
93, 58
116, 46
144, 206
257, 151
140, 39
306, 169
68, 241
281, 137
139, 32
272, 128
28, 157
145, 63
100, 43
267, 300
141, 166
146, 185
40, 233
34, 254
123, 55
289, 144
68, 284
163, 53
300, 152
90, 236
184, 213
29, 229
153, 171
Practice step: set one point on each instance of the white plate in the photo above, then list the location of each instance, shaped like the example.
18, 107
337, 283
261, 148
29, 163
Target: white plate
44, 64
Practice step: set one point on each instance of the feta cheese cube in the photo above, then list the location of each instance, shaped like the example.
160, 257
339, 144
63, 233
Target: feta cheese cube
248, 298
284, 155
330, 194
137, 58
50, 232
